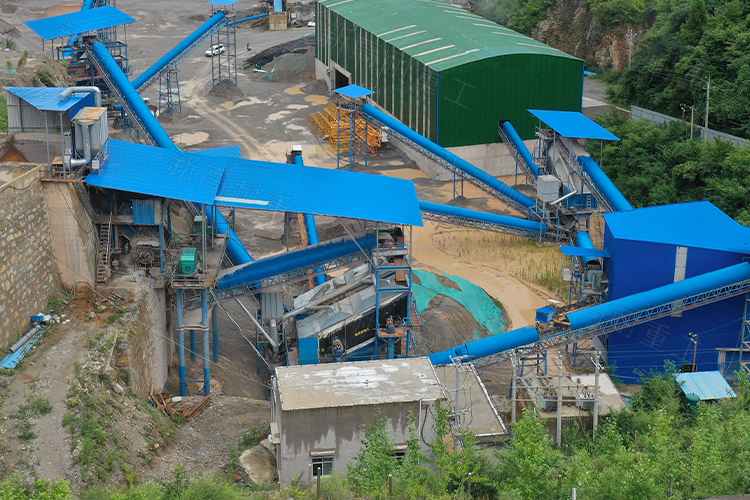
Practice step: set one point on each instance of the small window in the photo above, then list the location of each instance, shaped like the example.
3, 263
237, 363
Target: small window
399, 455
322, 466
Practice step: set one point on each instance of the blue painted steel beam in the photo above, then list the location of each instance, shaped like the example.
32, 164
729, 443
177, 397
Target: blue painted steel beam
206, 351
311, 227
215, 328
181, 343
605, 184
482, 220
519, 150
470, 171
179, 52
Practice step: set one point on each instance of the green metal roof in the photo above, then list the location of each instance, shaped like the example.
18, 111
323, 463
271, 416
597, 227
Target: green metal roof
437, 34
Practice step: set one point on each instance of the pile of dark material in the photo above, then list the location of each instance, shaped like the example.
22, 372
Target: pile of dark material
298, 46
226, 89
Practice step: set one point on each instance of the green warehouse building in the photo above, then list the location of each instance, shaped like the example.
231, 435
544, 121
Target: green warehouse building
446, 73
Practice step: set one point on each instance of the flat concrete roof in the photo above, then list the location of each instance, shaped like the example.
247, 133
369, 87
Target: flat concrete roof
359, 383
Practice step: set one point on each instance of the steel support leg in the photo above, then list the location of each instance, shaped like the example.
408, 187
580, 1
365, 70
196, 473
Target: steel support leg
181, 344
206, 348
215, 321
193, 346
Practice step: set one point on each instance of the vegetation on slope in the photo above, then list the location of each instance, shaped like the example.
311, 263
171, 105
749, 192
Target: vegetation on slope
638, 452
688, 45
654, 166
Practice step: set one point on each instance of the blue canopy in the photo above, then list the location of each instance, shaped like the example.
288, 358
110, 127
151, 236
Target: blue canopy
354, 91
79, 22
574, 125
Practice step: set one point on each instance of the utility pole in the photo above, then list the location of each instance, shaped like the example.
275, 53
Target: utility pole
694, 338
708, 93
631, 36
692, 121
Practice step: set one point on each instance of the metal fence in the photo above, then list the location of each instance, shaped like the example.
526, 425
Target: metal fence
637, 113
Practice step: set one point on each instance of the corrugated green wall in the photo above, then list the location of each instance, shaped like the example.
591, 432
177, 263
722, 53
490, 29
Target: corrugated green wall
403, 86
465, 102
475, 96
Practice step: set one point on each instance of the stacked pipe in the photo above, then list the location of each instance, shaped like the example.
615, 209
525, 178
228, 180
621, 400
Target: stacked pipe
235, 248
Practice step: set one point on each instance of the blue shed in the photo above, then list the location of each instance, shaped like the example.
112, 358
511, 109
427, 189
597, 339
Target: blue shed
656, 246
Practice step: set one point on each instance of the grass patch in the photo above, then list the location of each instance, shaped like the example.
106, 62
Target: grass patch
3, 114
34, 407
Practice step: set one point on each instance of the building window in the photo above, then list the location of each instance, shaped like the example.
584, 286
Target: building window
322, 466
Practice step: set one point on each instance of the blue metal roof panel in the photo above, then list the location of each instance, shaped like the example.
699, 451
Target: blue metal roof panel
583, 252
79, 22
160, 172
46, 98
698, 224
224, 151
706, 385
354, 91
312, 190
574, 125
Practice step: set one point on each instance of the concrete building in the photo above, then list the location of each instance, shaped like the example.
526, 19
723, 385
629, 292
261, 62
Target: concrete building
320, 412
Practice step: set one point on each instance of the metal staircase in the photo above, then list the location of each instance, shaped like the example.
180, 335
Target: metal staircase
103, 269
83, 197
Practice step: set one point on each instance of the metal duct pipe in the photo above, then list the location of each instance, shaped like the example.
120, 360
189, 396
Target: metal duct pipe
79, 162
247, 19
501, 220
310, 226
25, 338
487, 346
65, 94
187, 42
446, 155
520, 146
605, 184
67, 150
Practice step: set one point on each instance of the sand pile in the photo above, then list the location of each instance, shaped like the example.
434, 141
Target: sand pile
226, 89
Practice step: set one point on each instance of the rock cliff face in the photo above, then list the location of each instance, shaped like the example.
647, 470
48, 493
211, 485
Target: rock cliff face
570, 26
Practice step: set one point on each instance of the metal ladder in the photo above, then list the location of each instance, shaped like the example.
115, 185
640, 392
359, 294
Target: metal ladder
103, 269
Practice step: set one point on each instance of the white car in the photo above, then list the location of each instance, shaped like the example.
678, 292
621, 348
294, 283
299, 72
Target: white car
215, 50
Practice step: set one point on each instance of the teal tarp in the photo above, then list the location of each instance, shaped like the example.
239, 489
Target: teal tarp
472, 297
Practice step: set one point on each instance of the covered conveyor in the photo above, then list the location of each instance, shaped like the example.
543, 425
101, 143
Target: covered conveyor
180, 51
458, 165
604, 184
296, 264
610, 316
518, 149
310, 227
482, 220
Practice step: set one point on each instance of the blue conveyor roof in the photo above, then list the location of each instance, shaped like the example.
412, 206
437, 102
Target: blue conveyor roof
222, 2
79, 22
47, 98
262, 185
160, 172
321, 191
706, 385
698, 224
574, 125
354, 91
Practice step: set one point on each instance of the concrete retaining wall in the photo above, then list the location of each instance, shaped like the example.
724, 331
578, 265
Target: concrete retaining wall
144, 353
28, 272
74, 236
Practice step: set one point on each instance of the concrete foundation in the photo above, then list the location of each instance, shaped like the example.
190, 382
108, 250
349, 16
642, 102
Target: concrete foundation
28, 271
